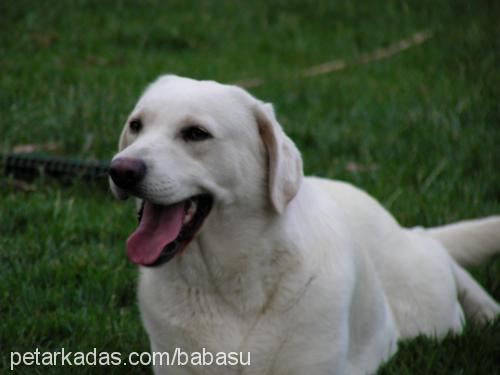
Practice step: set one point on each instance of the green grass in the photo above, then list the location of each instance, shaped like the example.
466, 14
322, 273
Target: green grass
426, 122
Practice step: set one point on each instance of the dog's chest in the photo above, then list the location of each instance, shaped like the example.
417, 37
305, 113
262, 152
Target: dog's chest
188, 319
179, 316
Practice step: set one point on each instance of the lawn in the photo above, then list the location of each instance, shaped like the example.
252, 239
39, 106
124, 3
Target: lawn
419, 130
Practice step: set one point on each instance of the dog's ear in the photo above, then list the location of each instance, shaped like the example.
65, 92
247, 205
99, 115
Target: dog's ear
284, 160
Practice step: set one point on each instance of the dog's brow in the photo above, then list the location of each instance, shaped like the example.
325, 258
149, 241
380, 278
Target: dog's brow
190, 120
202, 121
137, 115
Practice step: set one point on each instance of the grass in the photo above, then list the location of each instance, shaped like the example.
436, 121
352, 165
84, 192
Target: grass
421, 129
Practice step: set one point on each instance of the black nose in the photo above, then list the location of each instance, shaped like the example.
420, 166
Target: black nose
126, 172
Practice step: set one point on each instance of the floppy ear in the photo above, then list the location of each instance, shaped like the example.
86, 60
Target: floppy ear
284, 160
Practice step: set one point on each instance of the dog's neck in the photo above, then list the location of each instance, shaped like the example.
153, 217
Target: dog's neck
234, 261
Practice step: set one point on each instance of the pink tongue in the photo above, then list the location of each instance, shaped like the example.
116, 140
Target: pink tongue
159, 226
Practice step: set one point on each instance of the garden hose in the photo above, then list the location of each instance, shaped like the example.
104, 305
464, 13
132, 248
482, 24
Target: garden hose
31, 165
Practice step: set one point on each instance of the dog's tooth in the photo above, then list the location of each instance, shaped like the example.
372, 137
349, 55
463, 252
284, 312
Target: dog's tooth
190, 212
194, 205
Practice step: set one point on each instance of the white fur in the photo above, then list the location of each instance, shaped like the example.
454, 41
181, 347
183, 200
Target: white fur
311, 276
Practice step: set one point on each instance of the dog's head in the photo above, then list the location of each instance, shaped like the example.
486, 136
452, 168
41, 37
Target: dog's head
190, 148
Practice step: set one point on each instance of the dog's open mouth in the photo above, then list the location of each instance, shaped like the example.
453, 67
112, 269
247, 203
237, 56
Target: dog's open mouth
165, 230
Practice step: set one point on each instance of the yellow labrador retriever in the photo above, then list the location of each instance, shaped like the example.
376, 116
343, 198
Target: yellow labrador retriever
238, 252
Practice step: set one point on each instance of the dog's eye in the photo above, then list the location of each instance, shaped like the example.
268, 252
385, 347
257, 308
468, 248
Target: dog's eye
135, 125
195, 134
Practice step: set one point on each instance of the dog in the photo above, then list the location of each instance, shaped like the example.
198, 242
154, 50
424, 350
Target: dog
239, 252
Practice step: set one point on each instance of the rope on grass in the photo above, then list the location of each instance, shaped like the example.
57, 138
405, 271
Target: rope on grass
341, 64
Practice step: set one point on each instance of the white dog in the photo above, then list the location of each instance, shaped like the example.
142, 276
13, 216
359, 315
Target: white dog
241, 253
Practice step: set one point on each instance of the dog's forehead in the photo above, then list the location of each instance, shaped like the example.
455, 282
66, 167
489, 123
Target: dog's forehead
184, 93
